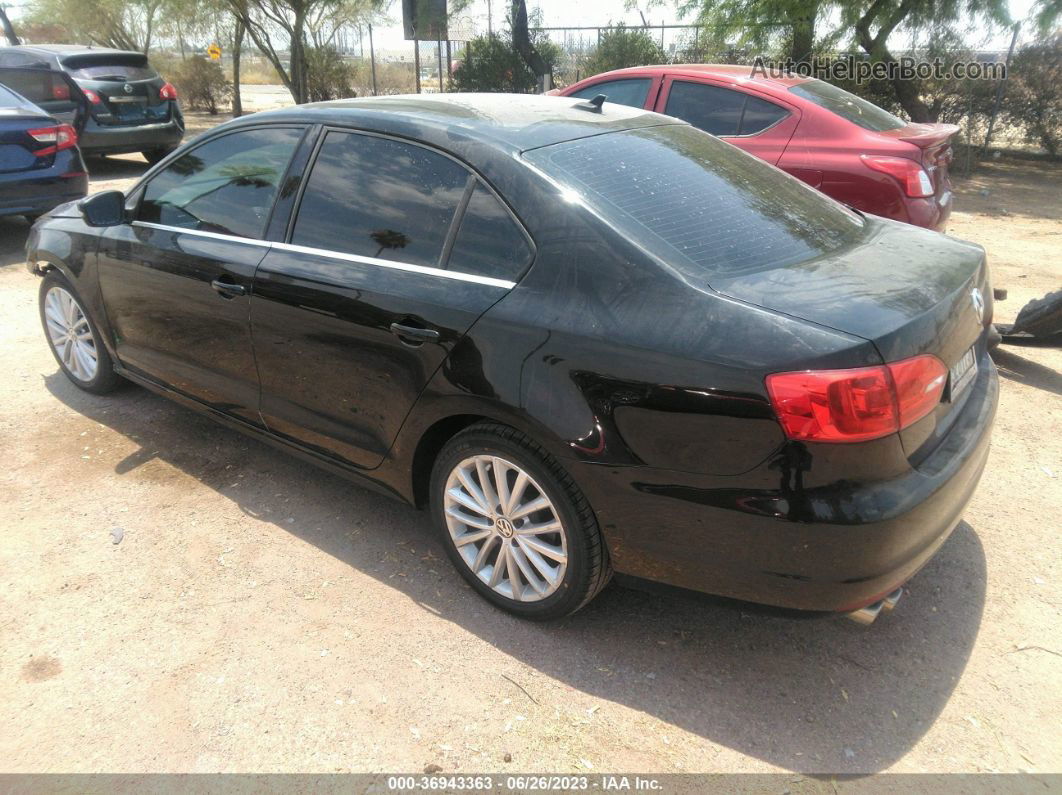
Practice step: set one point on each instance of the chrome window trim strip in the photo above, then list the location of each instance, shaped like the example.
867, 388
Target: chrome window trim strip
202, 233
320, 252
394, 265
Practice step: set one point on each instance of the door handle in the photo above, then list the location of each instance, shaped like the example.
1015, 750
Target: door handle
228, 289
414, 335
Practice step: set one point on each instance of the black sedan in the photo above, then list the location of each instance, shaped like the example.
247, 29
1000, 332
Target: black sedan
588, 337
131, 108
40, 166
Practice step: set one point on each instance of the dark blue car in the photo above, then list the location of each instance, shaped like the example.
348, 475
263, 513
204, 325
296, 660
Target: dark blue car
40, 165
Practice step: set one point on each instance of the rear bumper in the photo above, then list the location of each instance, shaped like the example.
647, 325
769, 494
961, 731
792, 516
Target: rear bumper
932, 213
834, 547
98, 139
36, 192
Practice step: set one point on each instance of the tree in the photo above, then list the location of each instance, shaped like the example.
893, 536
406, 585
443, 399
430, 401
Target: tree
1034, 93
123, 24
523, 43
279, 26
868, 23
9, 32
621, 47
761, 23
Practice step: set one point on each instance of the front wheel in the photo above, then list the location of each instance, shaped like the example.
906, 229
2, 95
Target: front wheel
73, 338
515, 525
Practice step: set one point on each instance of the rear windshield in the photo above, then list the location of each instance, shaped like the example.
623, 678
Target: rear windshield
697, 202
110, 67
848, 106
8, 99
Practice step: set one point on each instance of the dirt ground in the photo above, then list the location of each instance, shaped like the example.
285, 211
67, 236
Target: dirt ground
260, 615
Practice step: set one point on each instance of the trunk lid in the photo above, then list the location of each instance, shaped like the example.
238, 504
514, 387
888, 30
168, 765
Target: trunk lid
17, 147
906, 289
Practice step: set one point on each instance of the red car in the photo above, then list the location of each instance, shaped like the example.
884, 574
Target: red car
846, 147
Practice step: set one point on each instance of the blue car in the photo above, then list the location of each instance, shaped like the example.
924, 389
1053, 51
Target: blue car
40, 165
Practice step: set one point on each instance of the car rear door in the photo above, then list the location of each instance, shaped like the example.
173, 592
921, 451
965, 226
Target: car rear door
176, 279
393, 251
760, 125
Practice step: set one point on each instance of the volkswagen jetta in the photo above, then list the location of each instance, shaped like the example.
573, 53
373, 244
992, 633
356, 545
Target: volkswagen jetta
590, 338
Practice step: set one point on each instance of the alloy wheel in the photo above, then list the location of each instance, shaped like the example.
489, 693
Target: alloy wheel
505, 528
70, 335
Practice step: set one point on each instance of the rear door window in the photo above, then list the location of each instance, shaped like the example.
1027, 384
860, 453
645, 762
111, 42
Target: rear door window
226, 185
489, 242
699, 203
631, 91
721, 111
714, 109
381, 198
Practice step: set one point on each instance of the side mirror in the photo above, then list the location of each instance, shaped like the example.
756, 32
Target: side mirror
104, 209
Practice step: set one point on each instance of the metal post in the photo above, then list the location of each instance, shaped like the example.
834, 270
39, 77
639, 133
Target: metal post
372, 60
416, 62
438, 52
449, 59
999, 89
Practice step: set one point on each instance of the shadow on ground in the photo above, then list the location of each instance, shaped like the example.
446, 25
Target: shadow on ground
1023, 371
823, 695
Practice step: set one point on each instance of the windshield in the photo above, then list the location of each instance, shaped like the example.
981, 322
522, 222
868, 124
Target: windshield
110, 66
848, 106
697, 202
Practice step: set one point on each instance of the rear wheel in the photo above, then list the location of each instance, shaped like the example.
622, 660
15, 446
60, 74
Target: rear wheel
73, 338
515, 524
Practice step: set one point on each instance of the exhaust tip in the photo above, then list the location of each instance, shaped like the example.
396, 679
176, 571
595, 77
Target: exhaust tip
867, 615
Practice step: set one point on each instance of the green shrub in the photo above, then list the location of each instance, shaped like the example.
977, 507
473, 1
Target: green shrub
329, 75
202, 84
621, 47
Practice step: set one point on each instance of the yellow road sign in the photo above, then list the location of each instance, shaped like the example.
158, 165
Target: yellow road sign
214, 51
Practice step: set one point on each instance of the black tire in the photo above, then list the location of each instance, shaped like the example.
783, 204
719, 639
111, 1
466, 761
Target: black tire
105, 379
588, 569
153, 156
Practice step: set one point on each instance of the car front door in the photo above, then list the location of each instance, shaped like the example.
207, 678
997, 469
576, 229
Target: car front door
393, 252
760, 126
176, 280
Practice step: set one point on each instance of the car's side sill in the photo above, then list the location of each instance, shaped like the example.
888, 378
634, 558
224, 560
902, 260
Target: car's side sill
265, 436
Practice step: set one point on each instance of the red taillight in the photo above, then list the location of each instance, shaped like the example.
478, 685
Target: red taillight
858, 404
91, 96
60, 91
62, 137
911, 175
919, 384
168, 92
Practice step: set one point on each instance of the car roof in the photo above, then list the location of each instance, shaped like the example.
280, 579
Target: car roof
70, 49
729, 72
516, 122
